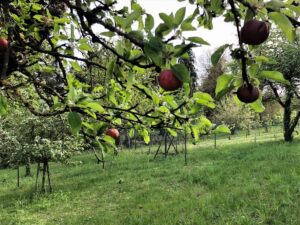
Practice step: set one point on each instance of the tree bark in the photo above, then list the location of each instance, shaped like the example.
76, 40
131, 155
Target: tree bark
37, 178
27, 168
288, 133
49, 178
44, 176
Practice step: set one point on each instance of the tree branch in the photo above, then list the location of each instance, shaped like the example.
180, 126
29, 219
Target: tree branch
278, 99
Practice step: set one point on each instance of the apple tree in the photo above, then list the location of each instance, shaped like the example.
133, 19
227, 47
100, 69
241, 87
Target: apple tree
284, 57
90, 60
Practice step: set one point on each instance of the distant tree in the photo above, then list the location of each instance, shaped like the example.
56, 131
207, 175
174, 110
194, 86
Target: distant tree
235, 116
209, 79
273, 114
285, 58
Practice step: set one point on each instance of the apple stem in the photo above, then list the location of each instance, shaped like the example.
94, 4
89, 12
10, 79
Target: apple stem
243, 57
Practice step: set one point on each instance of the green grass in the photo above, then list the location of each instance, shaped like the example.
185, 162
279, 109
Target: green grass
242, 183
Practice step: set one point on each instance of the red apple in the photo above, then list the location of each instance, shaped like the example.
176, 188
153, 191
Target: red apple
248, 94
3, 43
114, 133
255, 32
168, 81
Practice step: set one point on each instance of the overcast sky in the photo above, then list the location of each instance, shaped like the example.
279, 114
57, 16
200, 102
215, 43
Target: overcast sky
221, 34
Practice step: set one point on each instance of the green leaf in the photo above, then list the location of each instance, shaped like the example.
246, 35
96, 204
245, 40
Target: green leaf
284, 24
222, 129
168, 20
204, 99
74, 121
187, 26
137, 34
179, 16
215, 57
108, 34
85, 47
274, 4
145, 135
257, 106
273, 75
203, 95
264, 59
61, 20
198, 40
296, 9
195, 109
39, 18
182, 49
163, 109
132, 17
95, 106
223, 84
172, 132
149, 23
153, 50
110, 68
162, 29
205, 122
109, 139
131, 133
76, 66
36, 7
181, 72
249, 15
119, 21
187, 89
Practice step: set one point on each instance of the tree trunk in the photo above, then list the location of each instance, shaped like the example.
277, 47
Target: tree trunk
49, 178
266, 128
27, 168
288, 133
37, 177
44, 176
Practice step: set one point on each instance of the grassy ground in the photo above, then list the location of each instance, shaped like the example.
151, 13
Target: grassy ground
238, 183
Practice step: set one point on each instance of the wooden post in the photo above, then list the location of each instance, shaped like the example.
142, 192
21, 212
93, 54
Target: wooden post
102, 157
255, 133
156, 153
18, 176
215, 137
149, 145
44, 177
37, 177
185, 149
49, 180
135, 140
166, 143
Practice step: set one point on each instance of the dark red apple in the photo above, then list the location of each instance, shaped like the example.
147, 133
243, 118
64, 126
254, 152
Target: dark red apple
3, 43
168, 81
114, 133
248, 94
255, 32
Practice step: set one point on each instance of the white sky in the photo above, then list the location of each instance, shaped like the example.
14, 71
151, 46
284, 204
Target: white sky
222, 33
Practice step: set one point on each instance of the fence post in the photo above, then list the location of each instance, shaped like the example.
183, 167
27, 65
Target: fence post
185, 153
215, 137
255, 133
